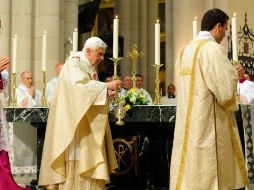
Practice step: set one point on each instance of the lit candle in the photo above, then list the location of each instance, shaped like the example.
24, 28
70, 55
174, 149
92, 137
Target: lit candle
234, 38
195, 27
14, 53
44, 50
75, 41
157, 43
115, 37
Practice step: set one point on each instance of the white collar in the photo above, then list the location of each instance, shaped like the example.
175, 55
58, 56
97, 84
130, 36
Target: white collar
204, 35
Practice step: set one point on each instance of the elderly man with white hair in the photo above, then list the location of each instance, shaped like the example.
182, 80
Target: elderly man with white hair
78, 149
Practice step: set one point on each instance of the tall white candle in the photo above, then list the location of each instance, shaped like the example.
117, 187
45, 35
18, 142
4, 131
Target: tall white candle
115, 37
75, 41
14, 53
157, 43
44, 50
234, 38
195, 27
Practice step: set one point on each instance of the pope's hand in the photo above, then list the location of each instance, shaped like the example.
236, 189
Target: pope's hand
4, 63
114, 85
240, 70
111, 94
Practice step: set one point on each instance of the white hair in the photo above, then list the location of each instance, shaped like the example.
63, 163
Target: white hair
94, 43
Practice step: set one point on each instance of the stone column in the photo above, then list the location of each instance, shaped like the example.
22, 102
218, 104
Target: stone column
22, 25
170, 65
5, 28
70, 23
149, 75
47, 17
129, 29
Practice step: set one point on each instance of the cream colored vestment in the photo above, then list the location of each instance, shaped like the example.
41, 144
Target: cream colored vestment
206, 152
79, 103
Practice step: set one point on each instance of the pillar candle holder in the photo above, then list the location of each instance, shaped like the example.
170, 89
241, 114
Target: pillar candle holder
44, 102
115, 63
157, 97
13, 102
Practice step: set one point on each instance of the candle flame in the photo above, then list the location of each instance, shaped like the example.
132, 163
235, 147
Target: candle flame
45, 32
15, 36
116, 17
195, 18
75, 29
234, 14
158, 21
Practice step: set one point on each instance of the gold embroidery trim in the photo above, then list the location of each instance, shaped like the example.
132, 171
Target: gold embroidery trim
189, 111
238, 154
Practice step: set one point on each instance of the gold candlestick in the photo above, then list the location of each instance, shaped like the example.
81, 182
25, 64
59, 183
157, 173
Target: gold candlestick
13, 102
44, 102
157, 97
134, 54
115, 63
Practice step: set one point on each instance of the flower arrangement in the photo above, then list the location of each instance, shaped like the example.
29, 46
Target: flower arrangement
133, 97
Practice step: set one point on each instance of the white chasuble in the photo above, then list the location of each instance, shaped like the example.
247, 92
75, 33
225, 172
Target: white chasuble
78, 150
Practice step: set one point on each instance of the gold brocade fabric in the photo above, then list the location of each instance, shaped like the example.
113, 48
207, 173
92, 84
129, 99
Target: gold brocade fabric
206, 152
79, 104
75, 182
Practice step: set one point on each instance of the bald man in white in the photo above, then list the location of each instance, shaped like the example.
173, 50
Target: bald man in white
27, 95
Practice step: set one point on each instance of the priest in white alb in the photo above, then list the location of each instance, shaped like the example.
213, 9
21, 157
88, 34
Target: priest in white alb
78, 150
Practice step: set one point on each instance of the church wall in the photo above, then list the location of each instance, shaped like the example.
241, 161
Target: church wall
29, 18
5, 17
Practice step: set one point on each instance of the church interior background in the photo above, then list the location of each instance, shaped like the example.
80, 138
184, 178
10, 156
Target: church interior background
29, 18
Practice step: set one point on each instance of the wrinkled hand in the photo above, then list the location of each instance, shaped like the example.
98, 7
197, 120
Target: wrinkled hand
240, 70
111, 94
4, 63
114, 85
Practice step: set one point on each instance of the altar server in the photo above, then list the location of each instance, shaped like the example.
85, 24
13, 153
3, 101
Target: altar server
51, 85
207, 153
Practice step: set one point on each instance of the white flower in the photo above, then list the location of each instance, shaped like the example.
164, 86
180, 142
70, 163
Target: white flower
133, 99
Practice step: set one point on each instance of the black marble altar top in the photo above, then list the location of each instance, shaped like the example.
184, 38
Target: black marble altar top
26, 114
156, 113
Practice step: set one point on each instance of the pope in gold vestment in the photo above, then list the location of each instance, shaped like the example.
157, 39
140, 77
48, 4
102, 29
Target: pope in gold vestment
207, 152
78, 112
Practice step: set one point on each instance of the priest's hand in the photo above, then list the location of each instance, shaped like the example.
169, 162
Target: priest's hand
114, 85
4, 63
31, 91
240, 70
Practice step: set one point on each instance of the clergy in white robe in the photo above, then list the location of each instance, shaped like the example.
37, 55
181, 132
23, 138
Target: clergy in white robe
27, 95
51, 85
246, 92
207, 153
141, 90
78, 150
170, 98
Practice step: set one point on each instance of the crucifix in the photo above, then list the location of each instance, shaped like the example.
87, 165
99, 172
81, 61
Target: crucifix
134, 54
